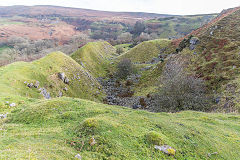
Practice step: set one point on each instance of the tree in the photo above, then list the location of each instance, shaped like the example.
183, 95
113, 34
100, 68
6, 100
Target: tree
138, 28
125, 37
124, 68
119, 50
180, 91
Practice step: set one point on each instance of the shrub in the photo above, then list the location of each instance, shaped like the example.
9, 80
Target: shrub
119, 50
124, 68
155, 138
90, 123
180, 91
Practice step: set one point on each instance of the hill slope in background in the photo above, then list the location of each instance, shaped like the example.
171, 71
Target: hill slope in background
61, 23
95, 57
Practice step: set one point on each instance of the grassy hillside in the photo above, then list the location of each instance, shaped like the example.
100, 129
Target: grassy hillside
146, 51
14, 78
95, 57
56, 129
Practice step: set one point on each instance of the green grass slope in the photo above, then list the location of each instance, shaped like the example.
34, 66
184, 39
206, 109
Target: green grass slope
146, 51
82, 83
61, 128
94, 57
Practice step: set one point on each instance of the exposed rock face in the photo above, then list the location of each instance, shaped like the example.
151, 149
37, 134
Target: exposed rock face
78, 156
66, 80
63, 78
36, 85
60, 94
30, 85
45, 93
166, 149
2, 116
12, 105
193, 42
65, 89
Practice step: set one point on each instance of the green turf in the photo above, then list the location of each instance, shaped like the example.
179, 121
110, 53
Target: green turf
56, 129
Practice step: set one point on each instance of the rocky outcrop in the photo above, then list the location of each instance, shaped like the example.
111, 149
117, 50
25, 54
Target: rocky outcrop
194, 41
63, 78
121, 93
45, 94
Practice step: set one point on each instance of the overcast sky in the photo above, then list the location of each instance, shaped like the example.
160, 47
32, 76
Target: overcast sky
154, 6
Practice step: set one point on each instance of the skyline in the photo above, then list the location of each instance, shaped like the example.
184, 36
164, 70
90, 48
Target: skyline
182, 7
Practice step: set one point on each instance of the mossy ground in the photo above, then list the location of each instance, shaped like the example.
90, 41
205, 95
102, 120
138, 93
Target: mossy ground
57, 128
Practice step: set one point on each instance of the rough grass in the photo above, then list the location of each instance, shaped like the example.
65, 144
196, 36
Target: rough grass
56, 129
94, 57
146, 51
82, 84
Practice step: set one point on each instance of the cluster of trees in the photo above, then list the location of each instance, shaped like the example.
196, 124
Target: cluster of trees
24, 49
119, 33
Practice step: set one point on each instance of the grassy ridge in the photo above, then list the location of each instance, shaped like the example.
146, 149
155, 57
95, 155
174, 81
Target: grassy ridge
52, 129
45, 70
95, 57
146, 51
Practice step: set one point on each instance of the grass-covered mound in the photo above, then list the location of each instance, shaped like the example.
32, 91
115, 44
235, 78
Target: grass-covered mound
64, 127
95, 57
15, 77
146, 51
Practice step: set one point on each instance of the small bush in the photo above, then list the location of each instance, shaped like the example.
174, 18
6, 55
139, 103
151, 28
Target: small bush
119, 50
90, 123
180, 91
124, 68
155, 138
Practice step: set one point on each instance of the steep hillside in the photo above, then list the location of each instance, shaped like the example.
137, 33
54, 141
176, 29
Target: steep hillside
64, 127
95, 57
29, 79
214, 56
201, 30
217, 55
